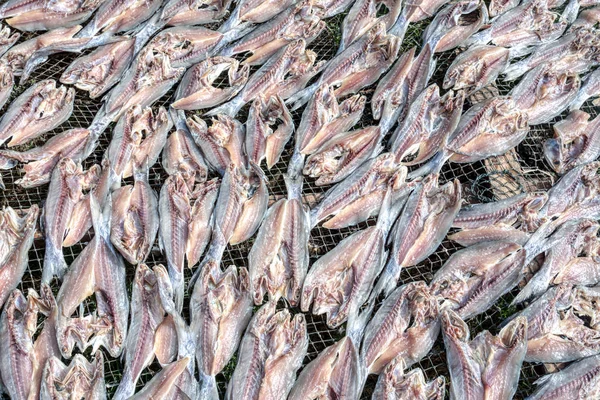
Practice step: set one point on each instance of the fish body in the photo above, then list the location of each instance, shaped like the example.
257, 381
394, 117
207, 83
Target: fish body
396, 383
476, 68
48, 14
203, 200
195, 12
115, 16
182, 156
183, 45
79, 379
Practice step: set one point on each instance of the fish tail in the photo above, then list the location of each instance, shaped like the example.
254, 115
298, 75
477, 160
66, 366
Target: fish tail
482, 37
232, 21
125, 389
390, 210
571, 11
230, 108
515, 70
581, 98
149, 29
387, 280
433, 166
302, 97
38, 58
532, 288
54, 263
357, 323
520, 51
399, 27
101, 213
208, 388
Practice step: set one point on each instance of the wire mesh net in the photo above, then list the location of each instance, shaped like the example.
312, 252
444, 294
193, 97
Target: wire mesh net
522, 169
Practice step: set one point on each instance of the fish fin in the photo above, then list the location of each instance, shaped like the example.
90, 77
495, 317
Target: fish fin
520, 51
571, 11
230, 108
54, 263
515, 70
387, 280
101, 215
399, 27
433, 166
208, 387
481, 37
302, 97
126, 388
357, 323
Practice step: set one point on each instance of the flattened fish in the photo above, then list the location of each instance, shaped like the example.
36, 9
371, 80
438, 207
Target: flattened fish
115, 16
162, 384
195, 12
40, 15
589, 89
396, 384
476, 68
364, 14
271, 353
80, 379
7, 81
182, 156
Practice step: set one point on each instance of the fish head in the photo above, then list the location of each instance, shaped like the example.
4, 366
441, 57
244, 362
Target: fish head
222, 129
424, 306
514, 334
325, 162
454, 327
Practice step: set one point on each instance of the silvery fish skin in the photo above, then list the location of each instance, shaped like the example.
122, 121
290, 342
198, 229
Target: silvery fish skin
203, 200
17, 56
487, 366
278, 260
45, 15
364, 14
360, 196
40, 161
489, 128
336, 373
196, 90
405, 326
476, 68
185, 46
300, 21
7, 40
562, 325
271, 353
149, 78
543, 93
453, 24
220, 309
80, 379
7, 81
162, 384
475, 277
139, 136
342, 154
65, 191
98, 71
574, 52
222, 143
175, 212
182, 156
16, 237
358, 66
340, 281
396, 384
134, 221
195, 12
590, 88
248, 13
421, 227
576, 142
324, 117
38, 110
100, 270
430, 119
579, 380
268, 129
492, 233
147, 313
115, 16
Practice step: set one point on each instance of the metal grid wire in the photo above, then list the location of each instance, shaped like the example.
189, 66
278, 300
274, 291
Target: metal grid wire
522, 169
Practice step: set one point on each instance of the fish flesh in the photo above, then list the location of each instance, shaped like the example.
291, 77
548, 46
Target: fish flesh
336, 373
405, 326
220, 309
562, 325
271, 353
195, 12
430, 119
38, 110
360, 196
7, 40
222, 143
580, 271
421, 227
474, 278
415, 11
339, 282
300, 21
66, 189
499, 7
576, 142
40, 15
16, 238
579, 380
182, 156
358, 66
285, 73
544, 94
492, 233
98, 71
138, 137
589, 89
162, 384
454, 24
203, 199
80, 379
268, 129
99, 269
248, 13
40, 161
7, 81
115, 16
364, 14
196, 90
395, 383
324, 117
278, 260
134, 221
488, 366
147, 314
476, 68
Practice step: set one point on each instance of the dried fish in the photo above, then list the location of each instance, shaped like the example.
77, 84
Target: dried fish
220, 308
184, 45
336, 373
543, 93
248, 13
16, 238
40, 15
268, 129
203, 200
364, 14
38, 110
7, 81
415, 11
476, 68
271, 353
590, 88
475, 277
405, 326
80, 379
195, 12
396, 384
162, 384
7, 40
278, 260
182, 156
580, 271
115, 16
499, 7
196, 90
101, 69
